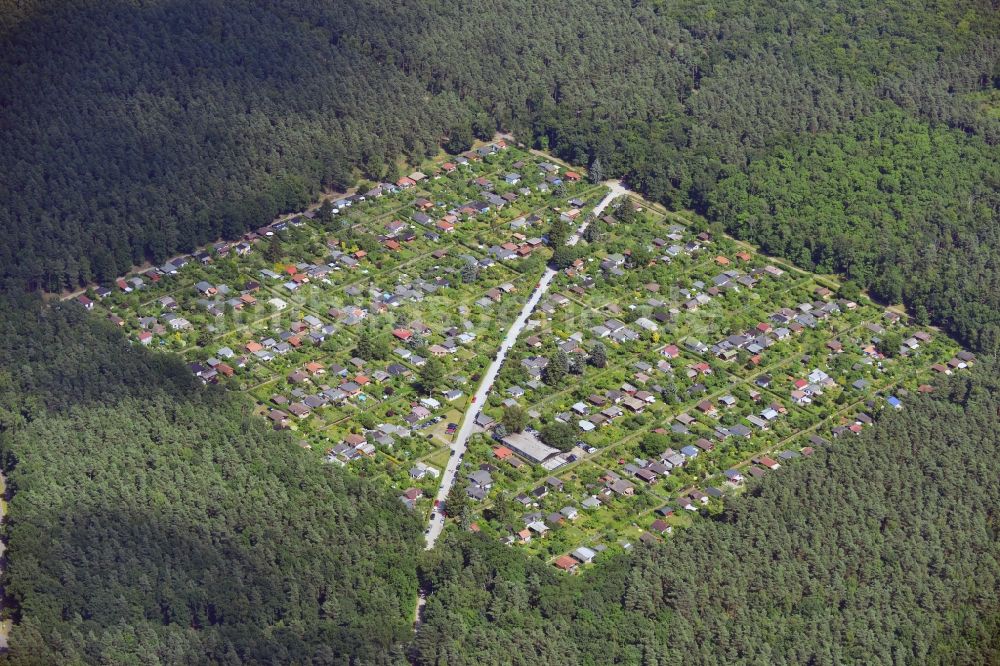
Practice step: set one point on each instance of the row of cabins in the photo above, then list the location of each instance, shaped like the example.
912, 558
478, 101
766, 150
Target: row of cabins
960, 361
700, 294
123, 284
310, 330
615, 330
301, 402
244, 246
601, 409
356, 445
203, 257
511, 250
668, 249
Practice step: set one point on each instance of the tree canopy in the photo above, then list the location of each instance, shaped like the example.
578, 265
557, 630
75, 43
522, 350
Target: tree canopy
155, 521
880, 552
908, 211
136, 130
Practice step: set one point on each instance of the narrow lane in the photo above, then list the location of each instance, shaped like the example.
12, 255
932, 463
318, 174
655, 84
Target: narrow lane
460, 444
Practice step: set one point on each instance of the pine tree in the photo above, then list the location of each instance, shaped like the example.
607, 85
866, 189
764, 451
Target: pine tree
557, 368
559, 232
431, 375
564, 256
599, 355
274, 252
559, 435
457, 499
889, 343
371, 345
514, 419
325, 212
470, 273
459, 138
596, 173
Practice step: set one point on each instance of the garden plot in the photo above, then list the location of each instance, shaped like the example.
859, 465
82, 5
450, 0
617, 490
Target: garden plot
670, 382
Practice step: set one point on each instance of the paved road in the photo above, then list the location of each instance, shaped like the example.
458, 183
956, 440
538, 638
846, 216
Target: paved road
458, 447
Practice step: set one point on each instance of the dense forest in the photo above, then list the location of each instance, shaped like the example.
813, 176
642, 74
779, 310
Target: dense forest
133, 130
153, 521
157, 522
909, 211
884, 551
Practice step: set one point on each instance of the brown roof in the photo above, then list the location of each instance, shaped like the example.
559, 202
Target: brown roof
502, 452
565, 562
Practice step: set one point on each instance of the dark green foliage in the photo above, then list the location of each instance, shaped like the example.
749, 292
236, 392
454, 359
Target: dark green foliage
559, 435
599, 355
595, 232
133, 131
514, 419
639, 257
653, 444
136, 130
559, 233
156, 521
557, 368
908, 211
882, 550
470, 272
850, 290
459, 139
325, 212
170, 124
564, 256
889, 343
431, 375
596, 171
457, 500
372, 344
273, 252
